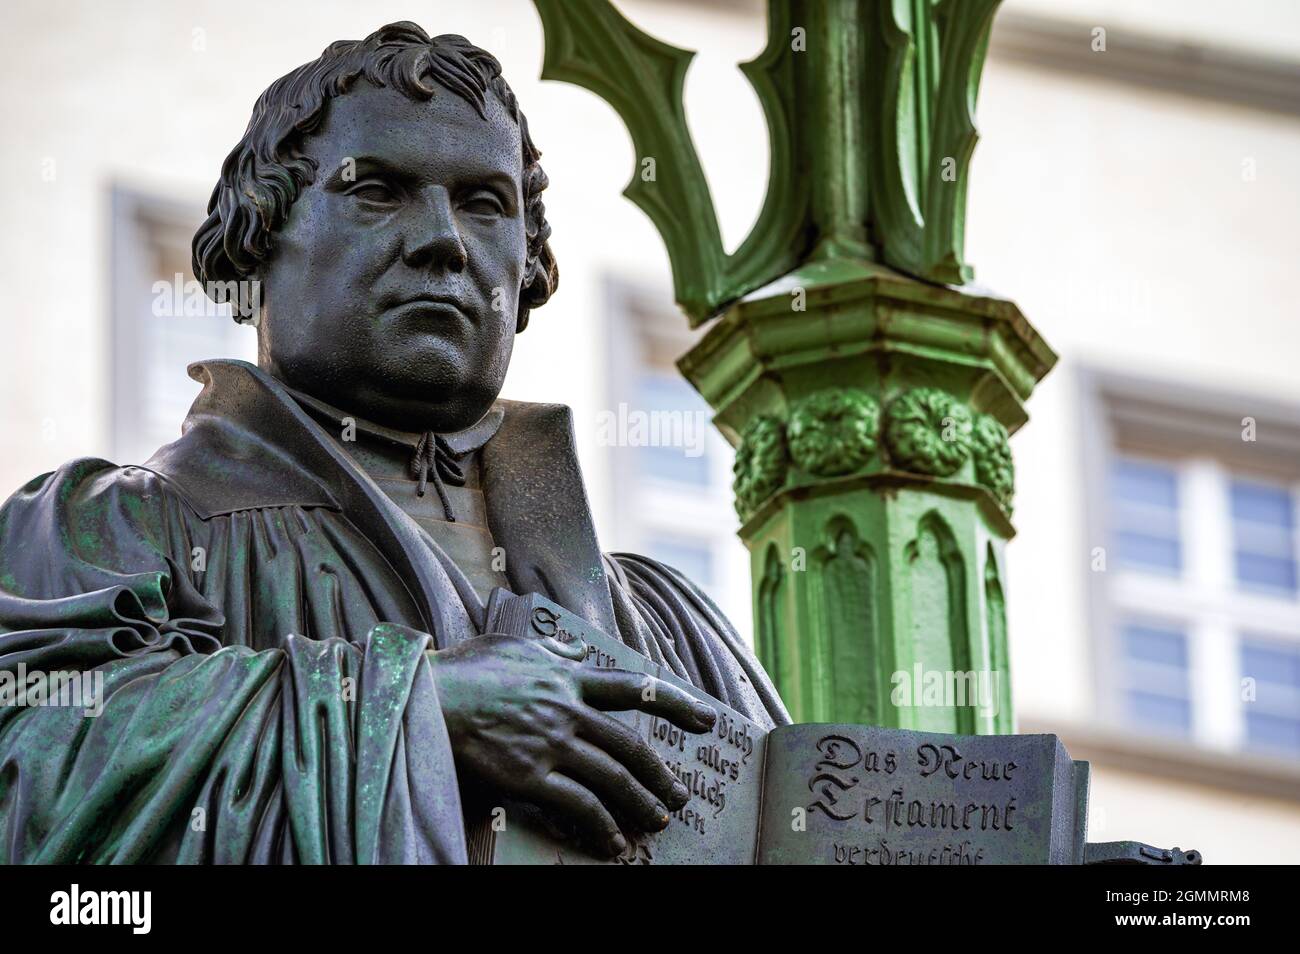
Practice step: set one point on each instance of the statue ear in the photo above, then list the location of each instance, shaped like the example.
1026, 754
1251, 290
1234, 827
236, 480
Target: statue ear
521, 317
541, 277
256, 287
526, 295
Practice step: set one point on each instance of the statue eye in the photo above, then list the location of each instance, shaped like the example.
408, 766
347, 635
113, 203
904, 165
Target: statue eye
373, 193
482, 203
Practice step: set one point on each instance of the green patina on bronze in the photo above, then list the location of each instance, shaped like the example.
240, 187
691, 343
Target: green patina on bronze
869, 389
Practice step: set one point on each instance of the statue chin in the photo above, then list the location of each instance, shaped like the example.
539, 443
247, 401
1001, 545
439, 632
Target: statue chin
434, 409
399, 399
443, 390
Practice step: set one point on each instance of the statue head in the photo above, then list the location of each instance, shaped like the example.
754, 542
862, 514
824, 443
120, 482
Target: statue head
387, 197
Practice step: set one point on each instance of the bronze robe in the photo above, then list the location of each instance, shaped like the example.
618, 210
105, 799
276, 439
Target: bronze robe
260, 610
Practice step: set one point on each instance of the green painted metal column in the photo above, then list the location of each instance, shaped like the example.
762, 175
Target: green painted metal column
868, 386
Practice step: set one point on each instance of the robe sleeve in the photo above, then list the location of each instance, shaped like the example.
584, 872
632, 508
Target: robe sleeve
666, 617
130, 733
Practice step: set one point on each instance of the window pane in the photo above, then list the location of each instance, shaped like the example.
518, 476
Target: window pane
1146, 520
1155, 675
1263, 534
1151, 644
1261, 503
1273, 714
669, 463
1145, 483
1157, 680
1265, 663
1265, 572
693, 560
669, 425
1161, 713
1271, 733
1263, 539
1149, 552
1144, 515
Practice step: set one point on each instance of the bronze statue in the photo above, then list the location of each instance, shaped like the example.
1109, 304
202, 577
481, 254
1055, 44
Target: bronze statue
286, 606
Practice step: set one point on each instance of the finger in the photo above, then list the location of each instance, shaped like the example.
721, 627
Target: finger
620, 690
575, 650
615, 785
595, 825
638, 756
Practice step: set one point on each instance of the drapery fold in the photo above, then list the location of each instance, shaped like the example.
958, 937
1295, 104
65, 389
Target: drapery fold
300, 728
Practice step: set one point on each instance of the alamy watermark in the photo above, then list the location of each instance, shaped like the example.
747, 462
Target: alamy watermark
61, 688
133, 909
631, 427
179, 298
978, 689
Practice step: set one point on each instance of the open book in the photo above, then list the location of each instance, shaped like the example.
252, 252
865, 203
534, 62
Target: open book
811, 793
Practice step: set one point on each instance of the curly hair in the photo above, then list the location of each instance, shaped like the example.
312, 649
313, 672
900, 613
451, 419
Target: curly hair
264, 174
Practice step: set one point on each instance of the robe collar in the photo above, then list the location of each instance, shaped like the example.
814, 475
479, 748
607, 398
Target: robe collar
429, 455
461, 443
248, 444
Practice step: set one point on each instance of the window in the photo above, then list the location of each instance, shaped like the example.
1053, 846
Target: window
1196, 605
671, 468
156, 337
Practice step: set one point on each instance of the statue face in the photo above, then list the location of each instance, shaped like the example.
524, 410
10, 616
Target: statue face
393, 288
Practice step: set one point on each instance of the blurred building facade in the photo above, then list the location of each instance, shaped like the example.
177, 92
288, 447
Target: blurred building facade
1134, 191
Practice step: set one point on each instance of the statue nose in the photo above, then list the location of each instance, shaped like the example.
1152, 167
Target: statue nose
433, 240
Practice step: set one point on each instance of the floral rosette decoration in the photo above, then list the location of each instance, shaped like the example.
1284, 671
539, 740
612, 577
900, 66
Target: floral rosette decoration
993, 465
834, 432
928, 431
760, 465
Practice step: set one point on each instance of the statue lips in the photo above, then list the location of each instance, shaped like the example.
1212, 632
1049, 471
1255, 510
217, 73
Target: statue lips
434, 308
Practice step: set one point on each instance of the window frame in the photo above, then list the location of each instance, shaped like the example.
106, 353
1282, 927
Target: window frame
1198, 433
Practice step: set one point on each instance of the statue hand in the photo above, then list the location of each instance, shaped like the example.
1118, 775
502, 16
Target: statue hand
525, 720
